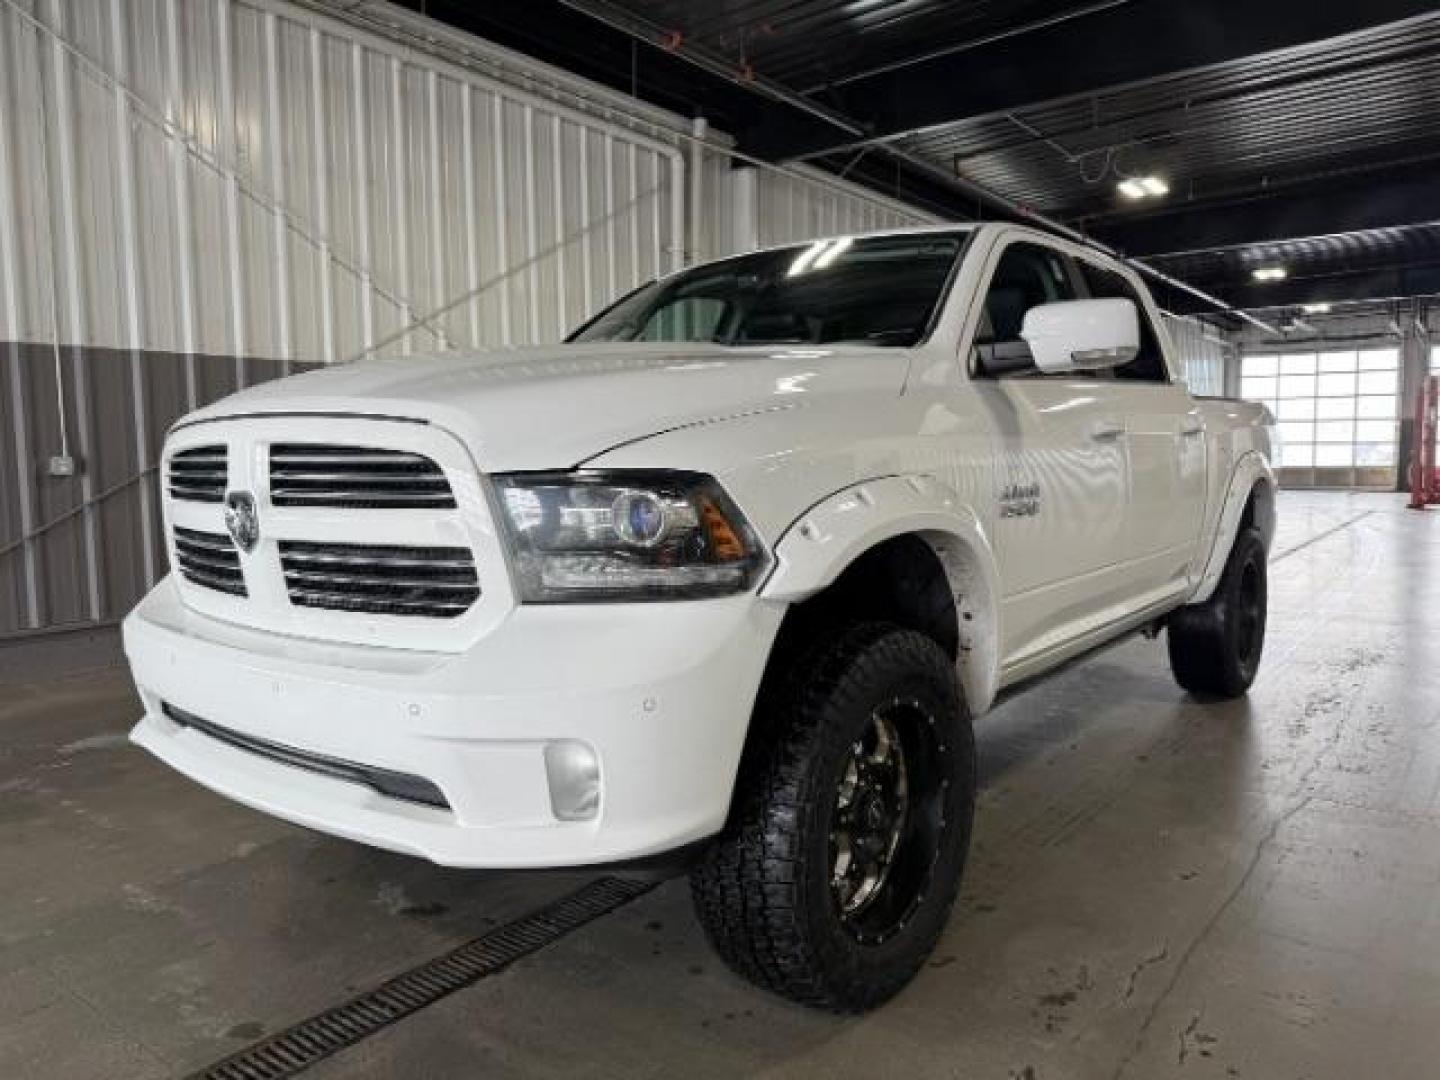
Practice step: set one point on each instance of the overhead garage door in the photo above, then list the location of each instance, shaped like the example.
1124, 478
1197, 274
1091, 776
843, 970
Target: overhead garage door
1338, 413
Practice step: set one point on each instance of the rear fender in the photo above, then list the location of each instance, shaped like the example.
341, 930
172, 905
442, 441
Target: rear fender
1250, 470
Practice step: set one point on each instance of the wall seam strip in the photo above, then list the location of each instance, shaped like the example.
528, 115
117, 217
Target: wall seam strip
279, 233
433, 210
472, 242
130, 260
320, 147
9, 295
360, 124
60, 71
225, 131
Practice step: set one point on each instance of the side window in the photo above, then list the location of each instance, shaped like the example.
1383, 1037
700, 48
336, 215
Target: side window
1149, 362
1027, 275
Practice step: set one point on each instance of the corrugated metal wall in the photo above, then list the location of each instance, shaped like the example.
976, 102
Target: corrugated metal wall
745, 207
252, 182
1204, 354
799, 206
196, 195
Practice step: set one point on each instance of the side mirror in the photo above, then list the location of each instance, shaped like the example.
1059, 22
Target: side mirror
1082, 335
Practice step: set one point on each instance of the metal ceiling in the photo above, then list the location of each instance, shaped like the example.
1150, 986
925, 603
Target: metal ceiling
1312, 257
1309, 126
810, 45
1229, 129
1379, 264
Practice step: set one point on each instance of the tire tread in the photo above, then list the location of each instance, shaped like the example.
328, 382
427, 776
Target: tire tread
1199, 636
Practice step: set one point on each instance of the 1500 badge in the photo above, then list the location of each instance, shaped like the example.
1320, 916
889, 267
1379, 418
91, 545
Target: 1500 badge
1020, 500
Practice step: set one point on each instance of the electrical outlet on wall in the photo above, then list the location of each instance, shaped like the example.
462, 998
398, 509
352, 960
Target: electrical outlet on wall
62, 465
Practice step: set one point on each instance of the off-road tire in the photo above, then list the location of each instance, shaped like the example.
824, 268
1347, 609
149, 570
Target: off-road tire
763, 891
1215, 647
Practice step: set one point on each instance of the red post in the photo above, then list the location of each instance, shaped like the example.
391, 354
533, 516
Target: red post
1424, 475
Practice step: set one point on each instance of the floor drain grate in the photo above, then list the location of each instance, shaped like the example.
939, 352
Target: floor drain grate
298, 1047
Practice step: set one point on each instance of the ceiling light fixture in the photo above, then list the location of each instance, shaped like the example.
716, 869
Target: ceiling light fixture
1140, 187
1268, 273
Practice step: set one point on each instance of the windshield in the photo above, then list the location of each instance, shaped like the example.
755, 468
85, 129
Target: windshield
878, 291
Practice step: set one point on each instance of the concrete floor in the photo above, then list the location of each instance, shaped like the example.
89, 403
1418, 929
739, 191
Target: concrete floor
1159, 887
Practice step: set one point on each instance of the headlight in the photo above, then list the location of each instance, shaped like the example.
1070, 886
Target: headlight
625, 536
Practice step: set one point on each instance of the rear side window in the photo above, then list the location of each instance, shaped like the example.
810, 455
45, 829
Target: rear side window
1027, 276
1149, 362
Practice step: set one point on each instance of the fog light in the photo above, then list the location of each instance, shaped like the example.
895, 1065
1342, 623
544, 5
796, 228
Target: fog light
574, 776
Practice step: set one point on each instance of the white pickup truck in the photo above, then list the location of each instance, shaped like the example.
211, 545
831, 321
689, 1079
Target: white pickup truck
729, 573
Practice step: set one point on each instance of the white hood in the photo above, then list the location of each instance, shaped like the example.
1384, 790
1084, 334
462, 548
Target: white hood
554, 407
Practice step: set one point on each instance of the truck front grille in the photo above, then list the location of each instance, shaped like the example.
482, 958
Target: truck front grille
438, 582
316, 474
199, 474
209, 560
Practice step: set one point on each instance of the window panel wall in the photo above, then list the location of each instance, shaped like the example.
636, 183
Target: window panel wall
1333, 409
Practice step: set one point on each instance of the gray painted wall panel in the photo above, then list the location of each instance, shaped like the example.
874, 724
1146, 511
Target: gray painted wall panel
125, 518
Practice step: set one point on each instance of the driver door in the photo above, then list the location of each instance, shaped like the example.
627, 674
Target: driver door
1061, 471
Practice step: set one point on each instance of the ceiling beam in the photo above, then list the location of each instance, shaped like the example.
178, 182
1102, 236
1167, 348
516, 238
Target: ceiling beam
1376, 199
1111, 47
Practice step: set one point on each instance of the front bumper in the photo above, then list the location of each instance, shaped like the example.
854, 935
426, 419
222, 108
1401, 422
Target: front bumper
661, 692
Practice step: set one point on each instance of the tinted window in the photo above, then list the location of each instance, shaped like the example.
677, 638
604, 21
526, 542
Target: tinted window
876, 291
1027, 275
1149, 362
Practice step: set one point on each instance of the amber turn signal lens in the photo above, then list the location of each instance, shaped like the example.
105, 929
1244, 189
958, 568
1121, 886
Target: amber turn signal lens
726, 541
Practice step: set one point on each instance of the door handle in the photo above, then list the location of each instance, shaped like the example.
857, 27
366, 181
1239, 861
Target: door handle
1106, 430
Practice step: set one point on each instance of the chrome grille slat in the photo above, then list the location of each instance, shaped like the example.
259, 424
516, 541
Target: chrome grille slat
298, 476
209, 560
349, 456
198, 474
219, 582
387, 606
439, 582
213, 561
362, 477
331, 558
194, 494
206, 541
431, 500
303, 576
